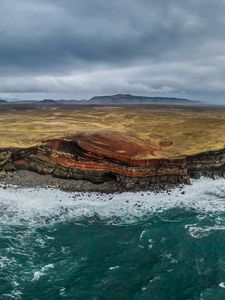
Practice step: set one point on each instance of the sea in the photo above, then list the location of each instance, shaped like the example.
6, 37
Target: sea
166, 246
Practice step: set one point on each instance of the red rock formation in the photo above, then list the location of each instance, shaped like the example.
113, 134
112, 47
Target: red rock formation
102, 157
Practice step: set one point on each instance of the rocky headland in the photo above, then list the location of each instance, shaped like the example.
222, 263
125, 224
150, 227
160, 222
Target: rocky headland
103, 162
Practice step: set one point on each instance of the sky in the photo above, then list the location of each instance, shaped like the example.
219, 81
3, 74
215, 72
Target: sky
76, 49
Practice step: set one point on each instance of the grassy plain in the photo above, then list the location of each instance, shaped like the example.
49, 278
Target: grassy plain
174, 131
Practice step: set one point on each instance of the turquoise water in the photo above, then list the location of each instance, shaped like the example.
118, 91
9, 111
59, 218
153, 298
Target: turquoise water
55, 245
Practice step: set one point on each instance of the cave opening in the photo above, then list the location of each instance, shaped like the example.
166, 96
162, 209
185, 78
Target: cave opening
110, 176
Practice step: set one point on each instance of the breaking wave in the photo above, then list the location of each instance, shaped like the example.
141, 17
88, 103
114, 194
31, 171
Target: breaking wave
54, 245
43, 206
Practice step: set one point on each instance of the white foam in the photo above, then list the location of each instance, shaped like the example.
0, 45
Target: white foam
62, 291
4, 262
199, 232
222, 285
113, 268
38, 206
38, 274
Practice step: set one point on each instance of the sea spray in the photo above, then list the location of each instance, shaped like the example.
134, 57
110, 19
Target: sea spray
37, 206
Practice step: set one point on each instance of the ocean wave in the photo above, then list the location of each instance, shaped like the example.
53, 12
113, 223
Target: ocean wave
38, 274
37, 206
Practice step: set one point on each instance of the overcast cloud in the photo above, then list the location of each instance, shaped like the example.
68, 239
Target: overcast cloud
80, 48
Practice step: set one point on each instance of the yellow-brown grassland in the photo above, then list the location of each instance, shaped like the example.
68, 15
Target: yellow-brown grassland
174, 131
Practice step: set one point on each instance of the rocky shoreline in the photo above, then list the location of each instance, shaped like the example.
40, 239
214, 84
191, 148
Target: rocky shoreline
93, 164
29, 179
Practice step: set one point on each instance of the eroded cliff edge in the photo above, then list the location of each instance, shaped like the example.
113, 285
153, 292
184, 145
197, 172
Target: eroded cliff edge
109, 159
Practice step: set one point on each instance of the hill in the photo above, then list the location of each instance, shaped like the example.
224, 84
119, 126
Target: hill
2, 101
48, 102
128, 99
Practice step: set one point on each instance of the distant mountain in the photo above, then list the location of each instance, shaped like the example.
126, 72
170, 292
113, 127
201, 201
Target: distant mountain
48, 102
127, 99
3, 101
71, 102
112, 100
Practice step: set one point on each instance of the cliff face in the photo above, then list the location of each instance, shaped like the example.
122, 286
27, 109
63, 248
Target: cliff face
102, 158
206, 164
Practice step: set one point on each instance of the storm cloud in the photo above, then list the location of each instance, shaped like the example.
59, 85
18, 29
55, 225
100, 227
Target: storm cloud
76, 49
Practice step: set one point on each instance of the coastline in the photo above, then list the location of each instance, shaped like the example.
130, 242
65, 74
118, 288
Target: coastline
30, 179
66, 166
106, 162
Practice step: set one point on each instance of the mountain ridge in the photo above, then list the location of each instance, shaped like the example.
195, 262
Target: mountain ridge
134, 99
105, 100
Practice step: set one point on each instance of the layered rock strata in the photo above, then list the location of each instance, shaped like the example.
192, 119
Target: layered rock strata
109, 158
